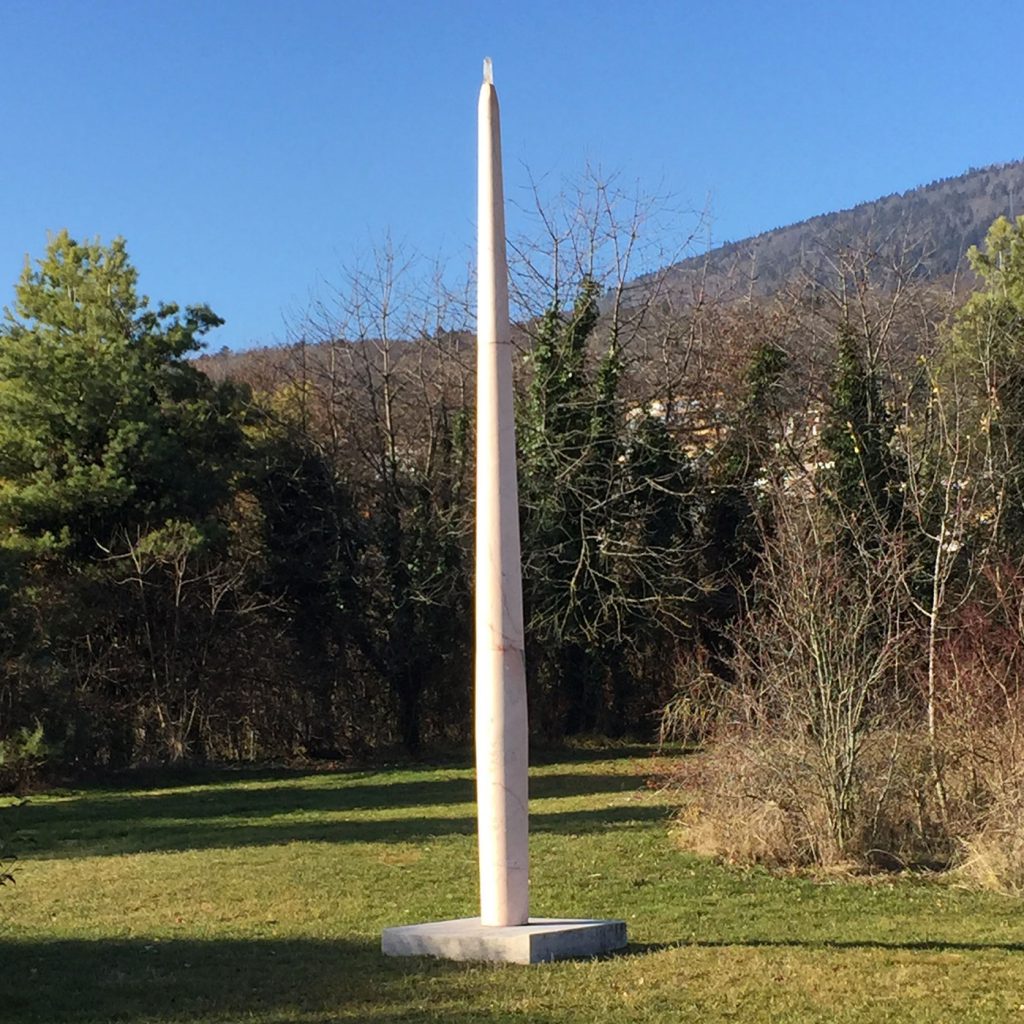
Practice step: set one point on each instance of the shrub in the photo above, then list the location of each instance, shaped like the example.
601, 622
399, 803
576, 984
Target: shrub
757, 791
21, 757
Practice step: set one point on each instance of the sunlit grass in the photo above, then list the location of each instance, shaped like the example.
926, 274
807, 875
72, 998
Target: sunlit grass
261, 897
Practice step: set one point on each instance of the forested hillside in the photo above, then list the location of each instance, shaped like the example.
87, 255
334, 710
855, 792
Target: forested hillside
927, 230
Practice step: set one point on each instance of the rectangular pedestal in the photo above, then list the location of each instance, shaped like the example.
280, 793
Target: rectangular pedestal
544, 938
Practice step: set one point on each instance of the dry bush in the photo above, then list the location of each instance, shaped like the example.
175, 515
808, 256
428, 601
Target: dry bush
793, 773
816, 659
754, 796
980, 712
979, 715
751, 799
993, 857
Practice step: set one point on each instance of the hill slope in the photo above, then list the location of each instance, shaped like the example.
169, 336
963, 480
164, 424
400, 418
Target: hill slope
928, 229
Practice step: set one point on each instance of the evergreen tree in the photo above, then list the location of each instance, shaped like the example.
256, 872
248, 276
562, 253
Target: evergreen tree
104, 424
737, 473
989, 350
749, 449
745, 459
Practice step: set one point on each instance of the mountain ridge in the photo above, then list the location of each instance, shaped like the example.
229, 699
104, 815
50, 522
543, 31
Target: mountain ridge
927, 229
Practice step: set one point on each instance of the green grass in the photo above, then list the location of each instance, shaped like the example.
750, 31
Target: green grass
260, 897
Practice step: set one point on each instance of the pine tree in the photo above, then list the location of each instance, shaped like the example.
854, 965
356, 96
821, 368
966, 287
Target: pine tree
104, 424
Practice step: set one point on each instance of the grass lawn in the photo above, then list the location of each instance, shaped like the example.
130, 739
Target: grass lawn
260, 897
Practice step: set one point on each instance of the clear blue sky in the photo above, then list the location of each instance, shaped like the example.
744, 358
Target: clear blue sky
248, 149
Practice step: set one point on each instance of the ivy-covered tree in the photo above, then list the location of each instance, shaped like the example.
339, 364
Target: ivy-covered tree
735, 517
863, 480
747, 456
607, 531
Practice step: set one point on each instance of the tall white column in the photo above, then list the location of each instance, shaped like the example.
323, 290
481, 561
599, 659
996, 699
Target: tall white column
503, 932
501, 725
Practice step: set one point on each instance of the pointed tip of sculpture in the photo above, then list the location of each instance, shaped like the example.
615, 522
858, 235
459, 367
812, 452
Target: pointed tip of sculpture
488, 71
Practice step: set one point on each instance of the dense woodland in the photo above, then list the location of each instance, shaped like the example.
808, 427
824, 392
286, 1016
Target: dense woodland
788, 529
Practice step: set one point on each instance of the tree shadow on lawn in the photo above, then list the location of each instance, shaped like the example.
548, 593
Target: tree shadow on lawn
184, 822
89, 981
163, 777
372, 793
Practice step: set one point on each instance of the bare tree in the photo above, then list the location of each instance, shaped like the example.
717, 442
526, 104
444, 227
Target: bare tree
821, 646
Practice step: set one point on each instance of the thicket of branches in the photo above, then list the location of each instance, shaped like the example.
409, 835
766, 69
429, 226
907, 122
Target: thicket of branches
872, 704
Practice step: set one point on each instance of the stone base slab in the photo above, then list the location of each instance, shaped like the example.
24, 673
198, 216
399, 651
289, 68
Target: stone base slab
542, 939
